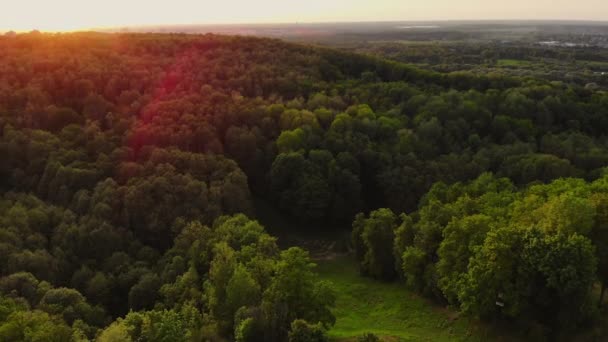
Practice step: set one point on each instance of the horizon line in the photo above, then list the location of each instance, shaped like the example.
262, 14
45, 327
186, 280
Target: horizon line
280, 23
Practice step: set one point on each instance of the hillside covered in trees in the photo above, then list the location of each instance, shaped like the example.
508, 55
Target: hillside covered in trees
130, 163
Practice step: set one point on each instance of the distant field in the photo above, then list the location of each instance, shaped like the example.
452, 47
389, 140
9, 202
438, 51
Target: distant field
513, 63
596, 65
388, 310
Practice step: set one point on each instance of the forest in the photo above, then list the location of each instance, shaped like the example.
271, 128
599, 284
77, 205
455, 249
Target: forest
131, 164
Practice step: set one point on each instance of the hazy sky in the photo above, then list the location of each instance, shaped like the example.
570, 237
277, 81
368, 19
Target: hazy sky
79, 14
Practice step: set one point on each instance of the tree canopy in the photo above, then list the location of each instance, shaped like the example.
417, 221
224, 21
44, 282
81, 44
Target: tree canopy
131, 163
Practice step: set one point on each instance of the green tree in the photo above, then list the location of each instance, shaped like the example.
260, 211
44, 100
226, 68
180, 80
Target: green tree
376, 236
71, 305
531, 274
462, 237
302, 331
414, 262
599, 237
241, 291
116, 332
221, 272
295, 293
144, 293
34, 326
404, 238
291, 141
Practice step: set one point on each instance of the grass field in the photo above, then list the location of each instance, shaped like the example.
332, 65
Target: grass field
365, 305
390, 311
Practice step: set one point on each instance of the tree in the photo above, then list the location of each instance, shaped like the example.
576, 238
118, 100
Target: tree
144, 293
221, 272
59, 118
151, 211
545, 277
116, 332
72, 306
246, 331
357, 239
302, 331
599, 237
299, 186
404, 238
568, 265
34, 326
165, 325
462, 237
295, 293
375, 236
567, 214
414, 262
24, 285
98, 288
241, 291
291, 141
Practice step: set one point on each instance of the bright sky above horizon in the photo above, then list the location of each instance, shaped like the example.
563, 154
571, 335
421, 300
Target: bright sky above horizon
57, 15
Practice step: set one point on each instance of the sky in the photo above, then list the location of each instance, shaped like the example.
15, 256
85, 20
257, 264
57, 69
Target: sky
61, 15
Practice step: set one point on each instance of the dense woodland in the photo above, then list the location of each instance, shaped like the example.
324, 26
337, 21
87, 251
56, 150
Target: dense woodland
130, 163
552, 61
555, 51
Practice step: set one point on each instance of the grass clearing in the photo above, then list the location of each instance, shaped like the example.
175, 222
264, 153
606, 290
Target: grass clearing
365, 305
390, 311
